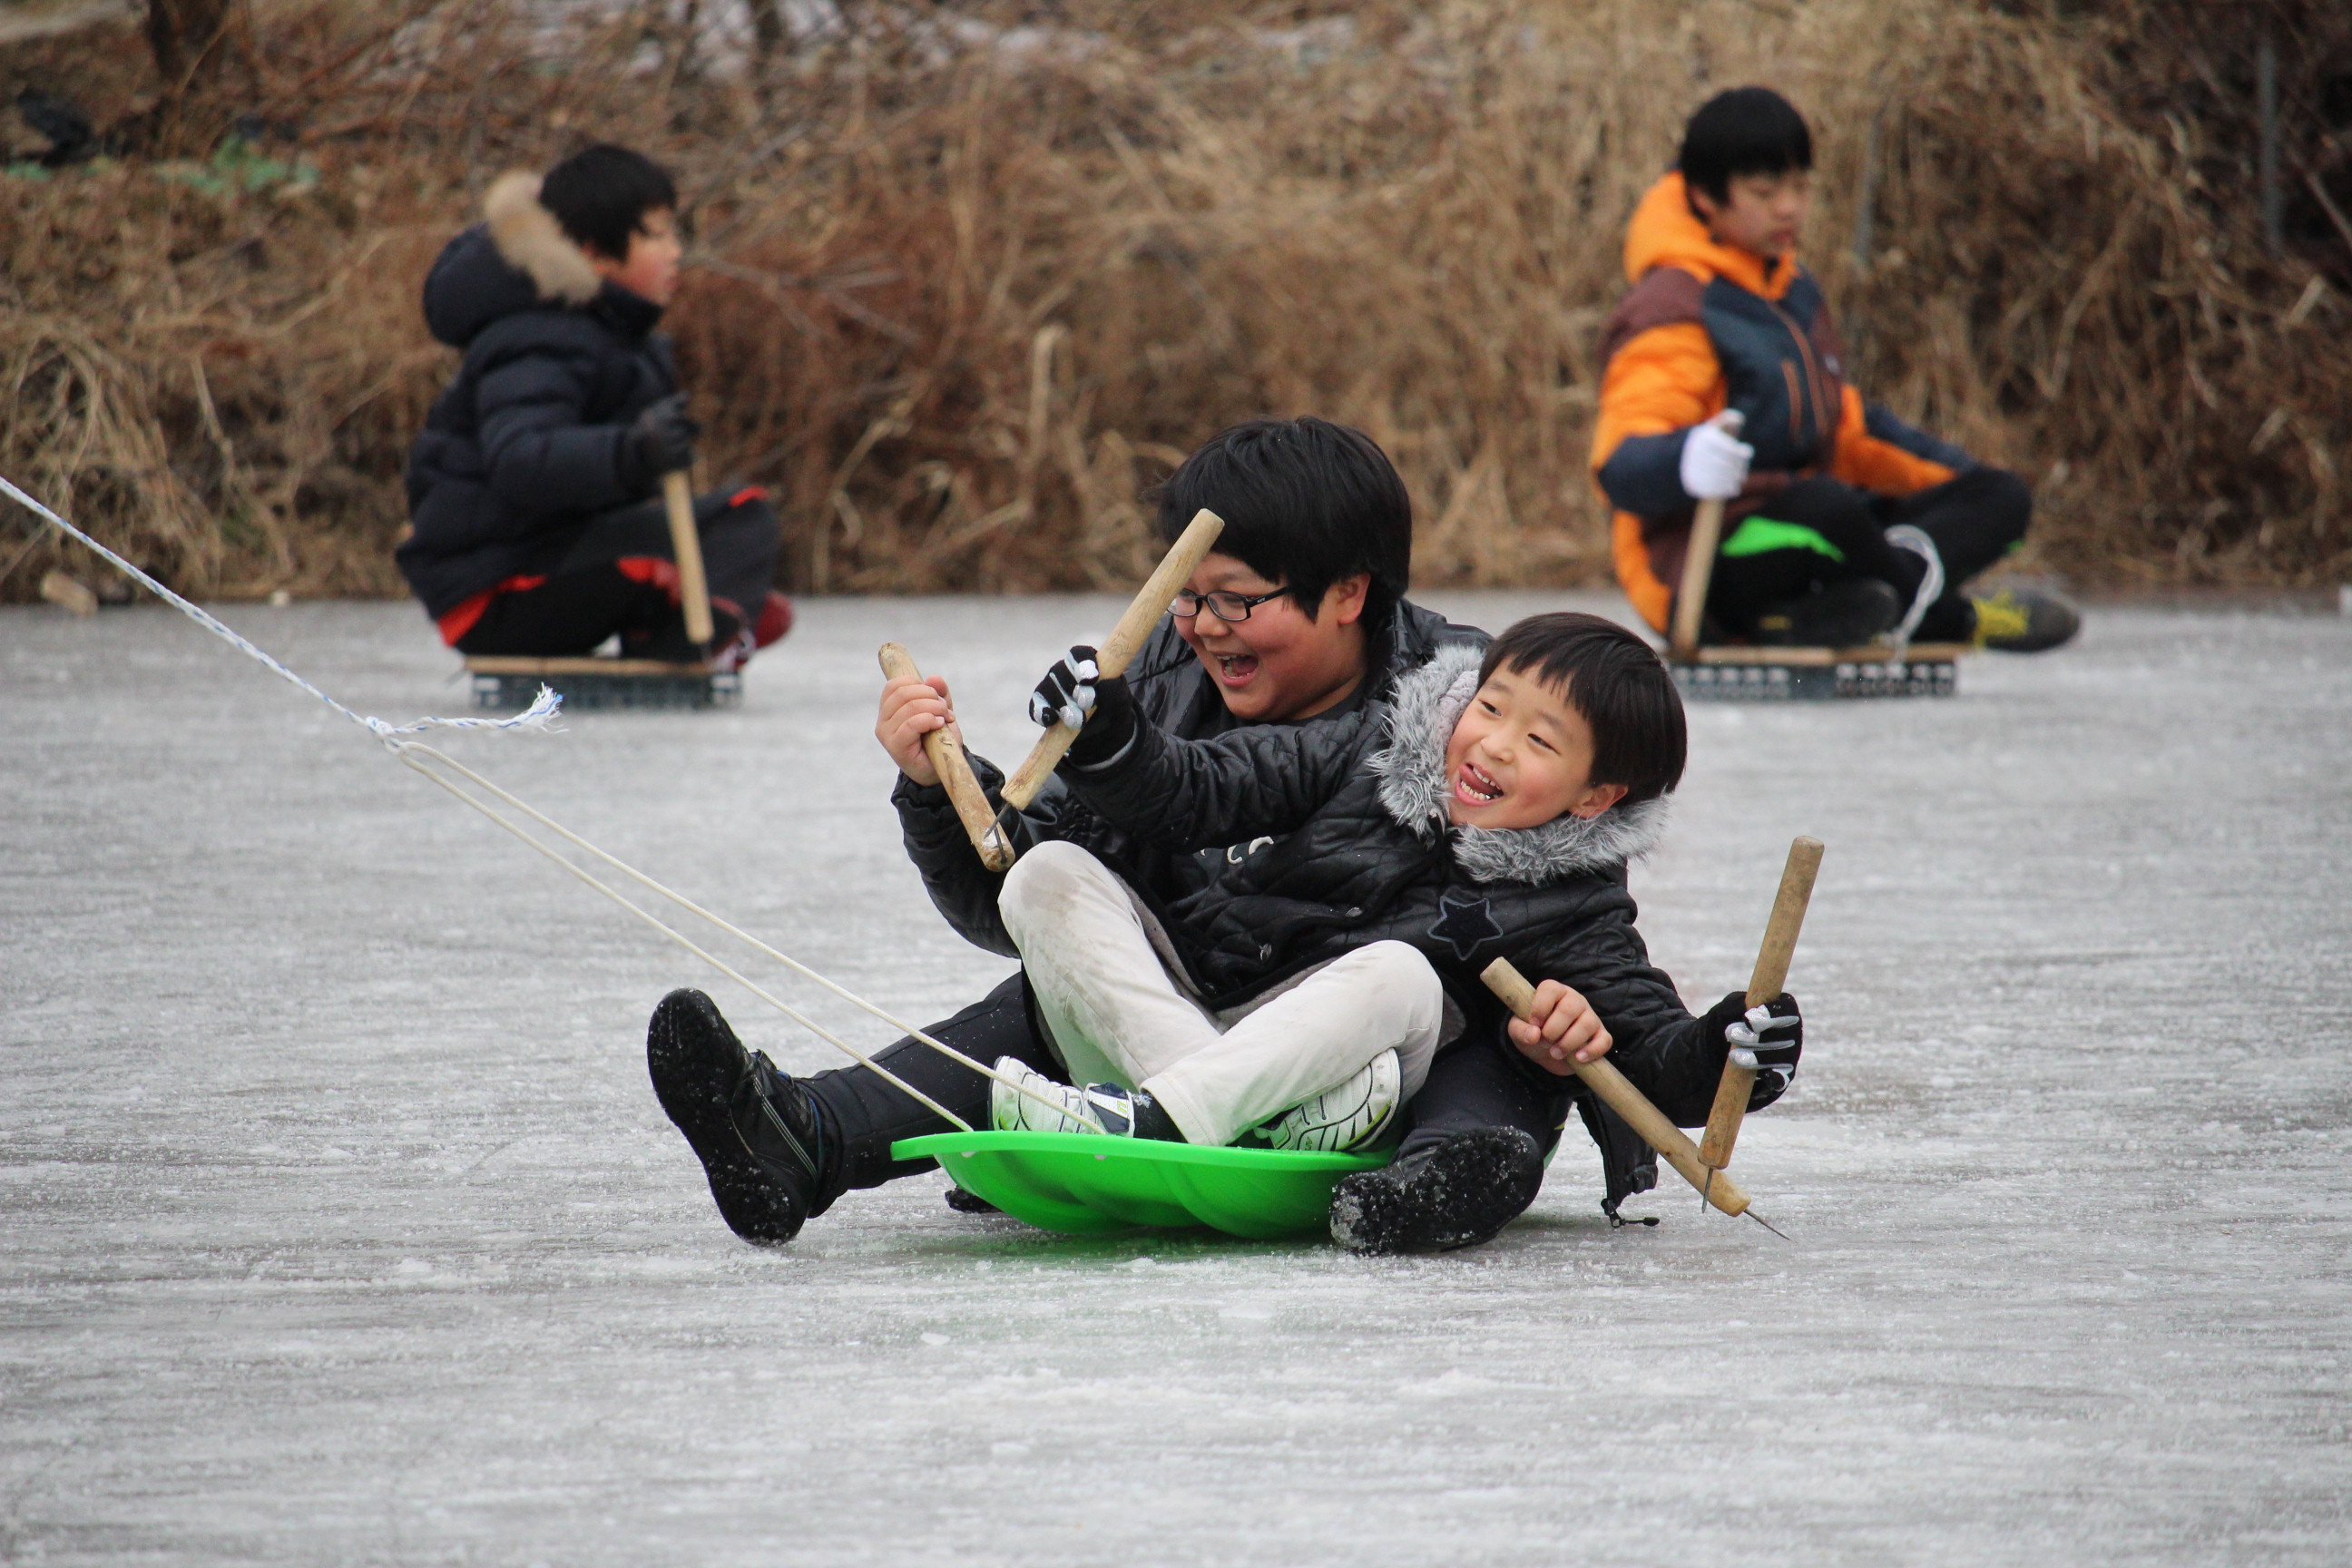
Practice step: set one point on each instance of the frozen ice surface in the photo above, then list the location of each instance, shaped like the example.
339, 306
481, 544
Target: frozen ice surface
340, 1225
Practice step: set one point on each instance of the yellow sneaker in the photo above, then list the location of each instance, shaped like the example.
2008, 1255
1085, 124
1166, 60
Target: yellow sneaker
2016, 620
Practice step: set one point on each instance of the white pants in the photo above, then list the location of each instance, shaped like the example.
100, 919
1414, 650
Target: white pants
1121, 1011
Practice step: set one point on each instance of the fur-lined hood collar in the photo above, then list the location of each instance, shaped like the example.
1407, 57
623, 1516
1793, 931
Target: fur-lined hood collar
519, 259
1412, 770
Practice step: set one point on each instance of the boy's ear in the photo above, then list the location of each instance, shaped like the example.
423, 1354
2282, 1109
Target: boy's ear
1349, 597
1597, 798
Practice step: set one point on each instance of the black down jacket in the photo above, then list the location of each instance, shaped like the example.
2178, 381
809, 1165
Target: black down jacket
530, 440
1340, 839
1176, 695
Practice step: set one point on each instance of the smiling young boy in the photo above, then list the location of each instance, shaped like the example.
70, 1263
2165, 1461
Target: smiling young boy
1842, 522
535, 526
1487, 809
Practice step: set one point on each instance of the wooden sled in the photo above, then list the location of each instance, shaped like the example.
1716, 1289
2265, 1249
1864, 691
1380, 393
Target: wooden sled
1726, 673
512, 681
1818, 674
503, 683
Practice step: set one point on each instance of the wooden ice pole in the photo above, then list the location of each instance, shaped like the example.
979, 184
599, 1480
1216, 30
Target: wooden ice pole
1769, 978
693, 589
1504, 979
1126, 639
954, 769
1698, 569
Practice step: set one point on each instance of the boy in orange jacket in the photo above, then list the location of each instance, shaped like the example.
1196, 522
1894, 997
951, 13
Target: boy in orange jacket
1724, 381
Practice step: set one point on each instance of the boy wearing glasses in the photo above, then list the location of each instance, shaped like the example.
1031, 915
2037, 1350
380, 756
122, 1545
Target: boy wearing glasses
1299, 615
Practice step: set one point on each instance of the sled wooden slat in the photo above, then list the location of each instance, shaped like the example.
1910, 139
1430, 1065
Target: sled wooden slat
511, 681
1918, 653
1732, 674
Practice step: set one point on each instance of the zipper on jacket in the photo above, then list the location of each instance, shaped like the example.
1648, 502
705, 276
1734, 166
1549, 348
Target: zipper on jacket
1814, 391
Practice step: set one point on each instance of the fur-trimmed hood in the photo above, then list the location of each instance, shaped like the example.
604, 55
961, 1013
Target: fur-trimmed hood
1410, 767
517, 259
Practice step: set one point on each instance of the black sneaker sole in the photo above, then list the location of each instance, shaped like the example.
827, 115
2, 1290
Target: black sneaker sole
695, 1061
1462, 1193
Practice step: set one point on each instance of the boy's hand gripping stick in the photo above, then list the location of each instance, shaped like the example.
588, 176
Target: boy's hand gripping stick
1113, 656
1504, 979
693, 590
1769, 978
955, 772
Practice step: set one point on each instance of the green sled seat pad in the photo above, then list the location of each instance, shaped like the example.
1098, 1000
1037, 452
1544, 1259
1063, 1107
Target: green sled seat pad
1083, 1184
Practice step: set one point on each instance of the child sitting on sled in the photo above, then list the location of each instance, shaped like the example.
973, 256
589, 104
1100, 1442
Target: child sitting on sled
1382, 859
535, 524
1842, 523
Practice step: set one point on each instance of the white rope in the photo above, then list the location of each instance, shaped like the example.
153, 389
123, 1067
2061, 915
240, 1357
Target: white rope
787, 960
539, 717
406, 747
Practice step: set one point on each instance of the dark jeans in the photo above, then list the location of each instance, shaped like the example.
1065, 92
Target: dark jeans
865, 1113
606, 583
1974, 519
1484, 1083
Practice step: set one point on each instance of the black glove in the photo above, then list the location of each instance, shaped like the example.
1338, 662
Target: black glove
660, 440
1772, 1034
1101, 708
1067, 695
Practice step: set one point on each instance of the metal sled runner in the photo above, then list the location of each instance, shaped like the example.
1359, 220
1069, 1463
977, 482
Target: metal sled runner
1083, 1183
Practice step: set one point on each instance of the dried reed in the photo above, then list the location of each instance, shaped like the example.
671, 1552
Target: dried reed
967, 287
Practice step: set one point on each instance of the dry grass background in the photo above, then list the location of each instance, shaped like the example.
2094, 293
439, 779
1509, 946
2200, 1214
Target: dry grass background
972, 278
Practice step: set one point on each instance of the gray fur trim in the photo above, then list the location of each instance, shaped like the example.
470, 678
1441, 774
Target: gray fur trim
1412, 770
528, 235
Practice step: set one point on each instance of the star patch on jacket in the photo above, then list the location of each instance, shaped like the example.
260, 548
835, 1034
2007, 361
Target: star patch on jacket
1463, 922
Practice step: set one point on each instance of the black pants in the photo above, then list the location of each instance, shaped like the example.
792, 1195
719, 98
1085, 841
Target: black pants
1974, 520
1483, 1083
604, 584
865, 1113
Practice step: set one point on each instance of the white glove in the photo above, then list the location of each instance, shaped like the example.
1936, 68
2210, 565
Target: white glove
1714, 460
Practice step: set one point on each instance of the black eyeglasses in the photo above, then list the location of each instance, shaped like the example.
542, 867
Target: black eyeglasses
1226, 607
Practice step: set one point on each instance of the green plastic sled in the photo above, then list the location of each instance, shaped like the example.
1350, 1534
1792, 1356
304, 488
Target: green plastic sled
1083, 1183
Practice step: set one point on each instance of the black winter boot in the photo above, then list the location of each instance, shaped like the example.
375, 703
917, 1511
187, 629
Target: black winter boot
1842, 614
757, 1131
1457, 1195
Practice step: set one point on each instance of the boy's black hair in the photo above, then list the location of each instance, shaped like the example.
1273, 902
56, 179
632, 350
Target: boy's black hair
601, 195
1747, 131
1306, 503
1617, 682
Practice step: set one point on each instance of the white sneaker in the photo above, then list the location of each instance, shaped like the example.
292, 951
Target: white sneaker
1343, 1119
1051, 1107
1903, 536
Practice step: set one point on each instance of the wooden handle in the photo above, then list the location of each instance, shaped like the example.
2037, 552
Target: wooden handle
1698, 570
1126, 639
1502, 978
693, 590
970, 802
1772, 973
1769, 980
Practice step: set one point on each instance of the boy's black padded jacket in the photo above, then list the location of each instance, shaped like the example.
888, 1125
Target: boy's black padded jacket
1340, 838
530, 440
1176, 695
